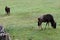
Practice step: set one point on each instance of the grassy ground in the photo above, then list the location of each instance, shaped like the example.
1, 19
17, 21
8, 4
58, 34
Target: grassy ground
22, 23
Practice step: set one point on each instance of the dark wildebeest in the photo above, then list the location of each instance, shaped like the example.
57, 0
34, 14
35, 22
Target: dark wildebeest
48, 18
3, 34
7, 10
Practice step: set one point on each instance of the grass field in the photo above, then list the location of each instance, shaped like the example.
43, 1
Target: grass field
22, 23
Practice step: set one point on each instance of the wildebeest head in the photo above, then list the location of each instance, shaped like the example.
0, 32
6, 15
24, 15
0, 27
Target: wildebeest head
39, 21
53, 25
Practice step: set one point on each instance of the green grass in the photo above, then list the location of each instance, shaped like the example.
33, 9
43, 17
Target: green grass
22, 23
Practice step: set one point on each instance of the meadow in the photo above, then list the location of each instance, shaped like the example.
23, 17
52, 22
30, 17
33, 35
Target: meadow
22, 22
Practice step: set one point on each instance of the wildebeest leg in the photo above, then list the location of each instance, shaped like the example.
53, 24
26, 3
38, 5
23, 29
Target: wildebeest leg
41, 27
8, 13
47, 24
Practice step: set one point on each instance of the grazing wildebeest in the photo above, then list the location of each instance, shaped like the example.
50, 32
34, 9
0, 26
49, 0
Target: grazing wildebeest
7, 10
48, 18
3, 34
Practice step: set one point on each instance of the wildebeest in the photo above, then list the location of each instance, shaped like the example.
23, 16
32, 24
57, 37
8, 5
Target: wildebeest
3, 34
47, 18
7, 10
